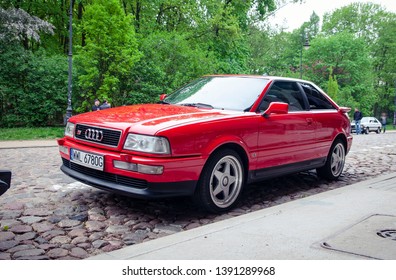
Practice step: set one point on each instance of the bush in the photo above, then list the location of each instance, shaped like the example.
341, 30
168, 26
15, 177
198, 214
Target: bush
33, 88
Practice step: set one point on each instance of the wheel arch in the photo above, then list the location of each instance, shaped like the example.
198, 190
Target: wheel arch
344, 141
239, 150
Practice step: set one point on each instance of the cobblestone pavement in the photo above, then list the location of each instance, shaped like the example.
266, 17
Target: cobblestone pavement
47, 215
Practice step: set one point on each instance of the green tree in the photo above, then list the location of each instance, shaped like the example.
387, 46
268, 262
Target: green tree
332, 86
109, 53
373, 24
349, 59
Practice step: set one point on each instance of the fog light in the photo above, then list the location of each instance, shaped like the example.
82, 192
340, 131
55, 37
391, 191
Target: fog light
149, 169
125, 165
64, 149
141, 168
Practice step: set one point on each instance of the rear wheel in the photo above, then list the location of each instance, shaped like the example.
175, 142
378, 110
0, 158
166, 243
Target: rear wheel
378, 130
334, 163
221, 182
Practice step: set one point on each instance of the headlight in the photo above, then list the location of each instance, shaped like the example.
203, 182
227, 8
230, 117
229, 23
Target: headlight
147, 144
69, 130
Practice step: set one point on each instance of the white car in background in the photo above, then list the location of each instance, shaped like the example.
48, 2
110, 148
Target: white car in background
367, 125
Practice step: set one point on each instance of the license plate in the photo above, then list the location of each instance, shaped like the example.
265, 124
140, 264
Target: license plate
87, 159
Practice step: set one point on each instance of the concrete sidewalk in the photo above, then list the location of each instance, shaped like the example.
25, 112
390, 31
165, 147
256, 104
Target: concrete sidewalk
353, 222
28, 144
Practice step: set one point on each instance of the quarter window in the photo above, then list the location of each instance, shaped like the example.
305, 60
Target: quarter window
316, 100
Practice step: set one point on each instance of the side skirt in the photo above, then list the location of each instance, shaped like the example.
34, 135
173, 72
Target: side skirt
272, 172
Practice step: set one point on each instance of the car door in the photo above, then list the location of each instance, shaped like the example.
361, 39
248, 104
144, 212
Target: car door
325, 116
285, 138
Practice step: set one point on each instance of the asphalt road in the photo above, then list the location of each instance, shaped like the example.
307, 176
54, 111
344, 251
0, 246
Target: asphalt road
47, 215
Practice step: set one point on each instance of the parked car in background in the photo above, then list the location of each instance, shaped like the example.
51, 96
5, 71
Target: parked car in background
5, 181
367, 125
209, 140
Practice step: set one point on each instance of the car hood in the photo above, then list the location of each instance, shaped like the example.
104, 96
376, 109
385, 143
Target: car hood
149, 118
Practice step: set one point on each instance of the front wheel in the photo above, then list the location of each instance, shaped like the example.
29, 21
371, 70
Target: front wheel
334, 163
221, 182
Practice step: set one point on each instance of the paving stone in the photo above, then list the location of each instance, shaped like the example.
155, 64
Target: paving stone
14, 206
26, 236
78, 232
80, 239
21, 228
28, 253
68, 223
5, 256
5, 245
61, 239
168, 229
41, 212
136, 237
57, 253
99, 243
95, 226
117, 229
79, 253
96, 235
143, 225
6, 235
52, 233
21, 248
43, 227
31, 219
11, 214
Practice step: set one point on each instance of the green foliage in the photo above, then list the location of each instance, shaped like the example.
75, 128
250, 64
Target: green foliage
130, 51
109, 53
348, 58
31, 87
332, 86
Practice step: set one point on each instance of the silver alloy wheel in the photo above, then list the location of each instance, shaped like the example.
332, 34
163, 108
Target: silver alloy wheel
226, 181
337, 159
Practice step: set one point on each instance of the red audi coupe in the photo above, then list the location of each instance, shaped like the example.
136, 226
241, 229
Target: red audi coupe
209, 140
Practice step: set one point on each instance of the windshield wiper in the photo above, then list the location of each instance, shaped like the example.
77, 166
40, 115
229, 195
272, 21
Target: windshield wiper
198, 105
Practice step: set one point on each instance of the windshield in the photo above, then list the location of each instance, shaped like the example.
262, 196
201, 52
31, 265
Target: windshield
230, 93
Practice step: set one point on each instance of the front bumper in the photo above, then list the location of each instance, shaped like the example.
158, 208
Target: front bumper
129, 186
179, 178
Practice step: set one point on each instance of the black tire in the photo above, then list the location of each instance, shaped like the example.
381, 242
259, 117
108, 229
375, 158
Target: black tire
378, 131
221, 182
335, 161
367, 130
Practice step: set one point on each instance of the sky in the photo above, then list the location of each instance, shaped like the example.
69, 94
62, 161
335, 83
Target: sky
292, 16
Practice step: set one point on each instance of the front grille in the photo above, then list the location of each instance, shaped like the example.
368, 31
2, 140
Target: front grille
109, 177
110, 137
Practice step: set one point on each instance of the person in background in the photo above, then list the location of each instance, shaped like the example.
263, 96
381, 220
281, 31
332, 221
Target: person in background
383, 122
96, 106
105, 105
357, 117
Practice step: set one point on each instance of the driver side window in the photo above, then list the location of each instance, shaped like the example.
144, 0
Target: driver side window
285, 92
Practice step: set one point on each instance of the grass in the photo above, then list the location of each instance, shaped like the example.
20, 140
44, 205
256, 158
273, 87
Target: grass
31, 133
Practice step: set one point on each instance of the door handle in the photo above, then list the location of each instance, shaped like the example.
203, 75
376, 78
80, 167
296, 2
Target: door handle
309, 120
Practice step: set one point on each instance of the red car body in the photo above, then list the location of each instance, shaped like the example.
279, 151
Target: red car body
258, 142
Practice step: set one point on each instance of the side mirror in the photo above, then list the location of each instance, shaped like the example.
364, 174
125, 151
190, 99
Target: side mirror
162, 96
5, 181
276, 108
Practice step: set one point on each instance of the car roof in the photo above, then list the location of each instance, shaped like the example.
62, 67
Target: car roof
260, 77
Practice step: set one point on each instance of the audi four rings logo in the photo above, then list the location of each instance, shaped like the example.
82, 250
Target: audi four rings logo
94, 135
